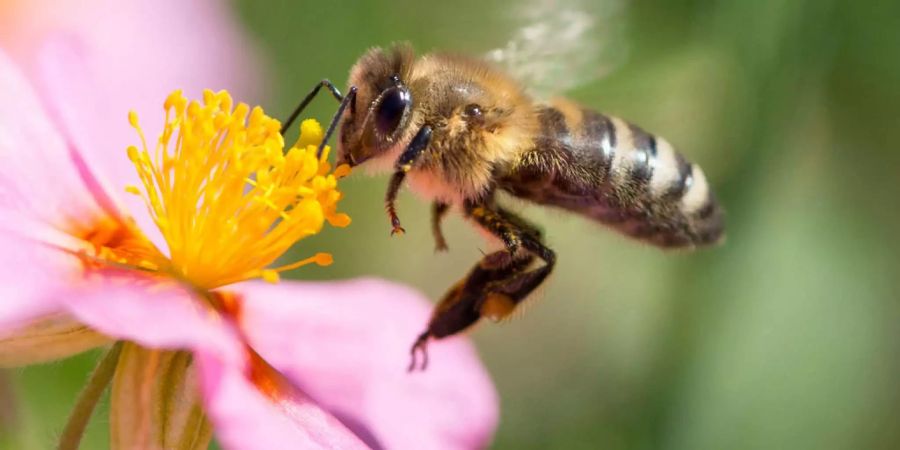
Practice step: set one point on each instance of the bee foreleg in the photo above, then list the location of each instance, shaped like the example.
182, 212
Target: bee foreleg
404, 164
438, 211
309, 97
414, 150
390, 199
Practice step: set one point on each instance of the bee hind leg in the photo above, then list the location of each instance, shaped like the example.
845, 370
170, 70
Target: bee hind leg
462, 305
419, 347
502, 295
505, 294
496, 285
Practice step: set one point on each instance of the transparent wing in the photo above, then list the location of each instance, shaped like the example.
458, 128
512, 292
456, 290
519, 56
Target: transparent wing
560, 45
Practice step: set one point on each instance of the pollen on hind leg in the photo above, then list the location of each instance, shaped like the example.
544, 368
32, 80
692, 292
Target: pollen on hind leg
497, 306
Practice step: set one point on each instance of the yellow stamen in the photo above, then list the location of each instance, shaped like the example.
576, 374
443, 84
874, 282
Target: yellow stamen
226, 196
322, 259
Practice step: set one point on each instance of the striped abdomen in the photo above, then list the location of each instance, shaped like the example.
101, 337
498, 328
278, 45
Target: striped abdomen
605, 168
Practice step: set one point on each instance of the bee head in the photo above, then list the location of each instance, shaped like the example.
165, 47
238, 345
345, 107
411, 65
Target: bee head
378, 121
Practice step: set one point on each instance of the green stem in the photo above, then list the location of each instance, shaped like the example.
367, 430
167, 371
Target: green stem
87, 400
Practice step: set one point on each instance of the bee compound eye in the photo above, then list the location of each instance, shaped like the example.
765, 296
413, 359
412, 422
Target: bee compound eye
395, 103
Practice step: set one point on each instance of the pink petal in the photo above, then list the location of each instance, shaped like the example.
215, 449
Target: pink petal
162, 314
106, 57
142, 49
30, 276
34, 327
41, 176
347, 346
74, 99
152, 312
246, 419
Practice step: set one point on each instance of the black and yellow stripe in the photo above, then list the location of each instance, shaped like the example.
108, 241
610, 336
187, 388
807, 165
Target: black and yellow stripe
619, 174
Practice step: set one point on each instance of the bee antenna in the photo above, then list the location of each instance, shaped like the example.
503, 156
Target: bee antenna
349, 99
306, 100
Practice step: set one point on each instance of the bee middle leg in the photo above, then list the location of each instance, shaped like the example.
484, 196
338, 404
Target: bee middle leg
438, 211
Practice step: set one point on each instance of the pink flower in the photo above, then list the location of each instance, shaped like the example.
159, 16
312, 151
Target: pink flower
298, 365
132, 54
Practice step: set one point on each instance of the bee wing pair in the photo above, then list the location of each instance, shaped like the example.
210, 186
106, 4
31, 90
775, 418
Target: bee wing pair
560, 45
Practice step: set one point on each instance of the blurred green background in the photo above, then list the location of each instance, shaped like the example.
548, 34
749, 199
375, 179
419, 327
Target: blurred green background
786, 337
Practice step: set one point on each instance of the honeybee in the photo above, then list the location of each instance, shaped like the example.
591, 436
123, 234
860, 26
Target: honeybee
460, 131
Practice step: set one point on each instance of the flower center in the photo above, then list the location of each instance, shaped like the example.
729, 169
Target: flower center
110, 241
226, 196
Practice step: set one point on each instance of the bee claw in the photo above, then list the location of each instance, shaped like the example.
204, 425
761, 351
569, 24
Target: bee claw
440, 245
420, 346
398, 231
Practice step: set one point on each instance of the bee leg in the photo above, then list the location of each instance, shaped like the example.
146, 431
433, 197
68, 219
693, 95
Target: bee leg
309, 97
420, 346
519, 222
390, 201
498, 224
502, 295
462, 305
404, 164
438, 211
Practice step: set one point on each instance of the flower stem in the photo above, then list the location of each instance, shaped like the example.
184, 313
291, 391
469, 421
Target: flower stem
87, 400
